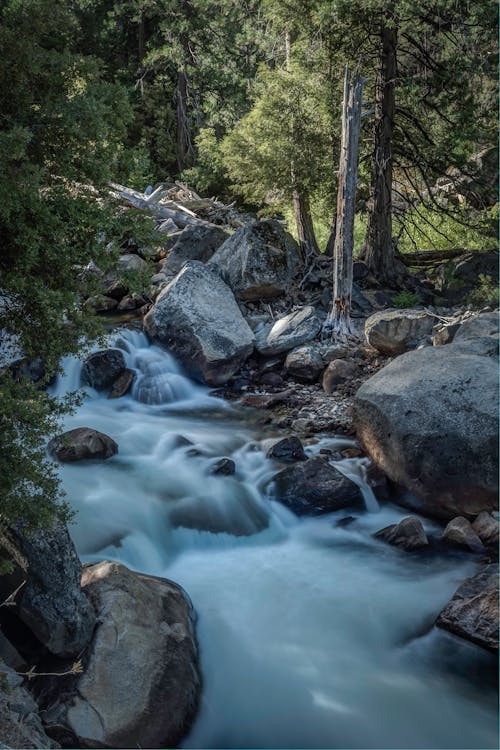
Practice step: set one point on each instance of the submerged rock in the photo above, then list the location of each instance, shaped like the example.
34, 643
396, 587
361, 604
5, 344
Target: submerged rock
82, 443
50, 603
198, 319
459, 533
408, 534
395, 331
141, 683
472, 612
429, 419
102, 368
313, 487
122, 384
224, 467
258, 261
235, 512
287, 450
289, 332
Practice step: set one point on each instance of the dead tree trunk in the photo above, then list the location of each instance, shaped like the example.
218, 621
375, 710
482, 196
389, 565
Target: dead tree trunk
339, 318
379, 249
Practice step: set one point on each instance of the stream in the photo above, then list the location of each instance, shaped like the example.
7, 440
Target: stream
311, 635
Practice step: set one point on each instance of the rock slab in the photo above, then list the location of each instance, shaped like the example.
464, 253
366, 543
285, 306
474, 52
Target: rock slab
198, 319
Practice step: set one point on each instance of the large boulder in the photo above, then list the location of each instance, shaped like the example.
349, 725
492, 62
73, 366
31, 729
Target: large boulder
195, 242
472, 612
141, 681
395, 331
258, 261
478, 335
81, 444
289, 332
198, 319
313, 487
50, 602
429, 419
102, 368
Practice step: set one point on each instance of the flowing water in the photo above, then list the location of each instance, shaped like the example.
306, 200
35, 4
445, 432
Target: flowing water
312, 635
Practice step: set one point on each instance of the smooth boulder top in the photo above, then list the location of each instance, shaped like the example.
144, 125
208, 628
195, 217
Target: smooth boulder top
197, 317
288, 332
429, 419
394, 331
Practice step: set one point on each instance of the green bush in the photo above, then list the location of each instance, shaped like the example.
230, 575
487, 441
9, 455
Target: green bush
405, 300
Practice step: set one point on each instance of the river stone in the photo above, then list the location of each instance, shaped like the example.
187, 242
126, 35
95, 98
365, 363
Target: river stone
141, 682
486, 527
408, 534
102, 368
313, 487
130, 263
472, 612
394, 331
337, 372
193, 243
429, 419
233, 512
288, 332
51, 603
20, 722
82, 443
122, 384
304, 363
459, 533
198, 319
223, 467
288, 450
258, 261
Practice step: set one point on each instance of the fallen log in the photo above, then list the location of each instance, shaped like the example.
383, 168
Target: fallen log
182, 218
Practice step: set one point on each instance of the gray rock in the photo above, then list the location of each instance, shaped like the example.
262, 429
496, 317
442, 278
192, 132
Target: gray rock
194, 243
429, 419
472, 612
485, 346
337, 372
330, 352
288, 332
122, 384
99, 303
51, 603
223, 467
313, 487
486, 527
477, 326
102, 368
395, 331
130, 263
287, 450
81, 444
459, 533
141, 684
304, 363
20, 722
258, 261
198, 319
408, 534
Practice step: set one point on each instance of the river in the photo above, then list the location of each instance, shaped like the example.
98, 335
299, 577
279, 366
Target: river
312, 635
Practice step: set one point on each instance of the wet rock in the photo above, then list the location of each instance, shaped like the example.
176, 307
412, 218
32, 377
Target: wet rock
486, 527
287, 450
82, 443
346, 521
20, 722
472, 612
337, 372
198, 319
223, 467
459, 533
50, 603
288, 332
145, 628
408, 534
236, 512
102, 368
130, 263
122, 384
258, 261
304, 363
429, 419
395, 331
194, 243
313, 487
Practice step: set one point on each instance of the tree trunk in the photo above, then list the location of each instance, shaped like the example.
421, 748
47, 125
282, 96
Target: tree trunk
183, 137
305, 229
339, 318
379, 249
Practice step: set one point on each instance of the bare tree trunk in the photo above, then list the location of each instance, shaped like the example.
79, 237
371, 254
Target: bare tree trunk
183, 136
339, 318
379, 248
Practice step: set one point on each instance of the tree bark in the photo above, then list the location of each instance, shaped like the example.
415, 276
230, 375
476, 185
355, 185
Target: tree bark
379, 249
183, 137
305, 228
339, 318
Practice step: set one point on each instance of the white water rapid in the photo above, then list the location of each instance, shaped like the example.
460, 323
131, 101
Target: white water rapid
312, 635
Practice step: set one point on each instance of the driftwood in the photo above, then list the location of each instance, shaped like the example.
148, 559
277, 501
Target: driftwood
181, 215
